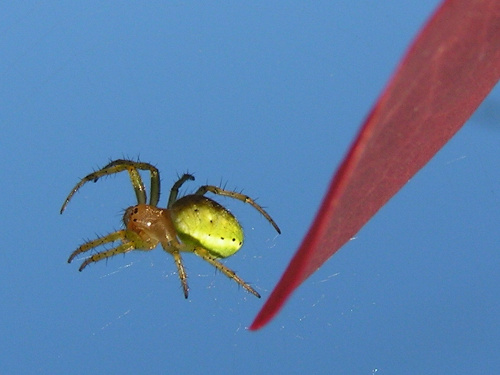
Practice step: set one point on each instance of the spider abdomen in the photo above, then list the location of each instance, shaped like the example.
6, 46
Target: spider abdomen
200, 221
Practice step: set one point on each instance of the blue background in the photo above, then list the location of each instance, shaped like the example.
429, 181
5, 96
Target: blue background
261, 96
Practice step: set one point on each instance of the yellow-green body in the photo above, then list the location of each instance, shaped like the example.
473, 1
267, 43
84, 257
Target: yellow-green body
192, 223
201, 221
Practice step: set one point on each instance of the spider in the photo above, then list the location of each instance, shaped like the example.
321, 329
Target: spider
193, 223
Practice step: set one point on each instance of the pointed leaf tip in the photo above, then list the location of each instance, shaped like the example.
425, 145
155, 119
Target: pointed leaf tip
450, 68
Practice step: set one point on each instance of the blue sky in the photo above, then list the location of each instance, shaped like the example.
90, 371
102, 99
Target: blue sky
264, 97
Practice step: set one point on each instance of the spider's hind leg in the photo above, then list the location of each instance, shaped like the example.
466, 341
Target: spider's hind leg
202, 190
203, 253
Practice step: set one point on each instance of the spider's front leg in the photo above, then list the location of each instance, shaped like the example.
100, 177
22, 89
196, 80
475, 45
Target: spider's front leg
132, 168
121, 249
112, 237
131, 241
135, 178
120, 235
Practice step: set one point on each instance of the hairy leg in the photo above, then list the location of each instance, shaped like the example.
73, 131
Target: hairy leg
115, 236
241, 197
175, 188
131, 167
203, 253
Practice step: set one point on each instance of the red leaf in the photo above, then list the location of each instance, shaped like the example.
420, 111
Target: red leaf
448, 71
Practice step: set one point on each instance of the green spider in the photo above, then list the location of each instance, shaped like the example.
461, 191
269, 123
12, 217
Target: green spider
192, 223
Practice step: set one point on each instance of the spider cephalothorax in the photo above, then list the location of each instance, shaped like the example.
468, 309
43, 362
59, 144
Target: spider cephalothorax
192, 223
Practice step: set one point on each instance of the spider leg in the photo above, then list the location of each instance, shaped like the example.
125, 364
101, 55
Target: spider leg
121, 249
119, 166
182, 272
115, 236
180, 266
241, 197
175, 188
136, 180
203, 253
